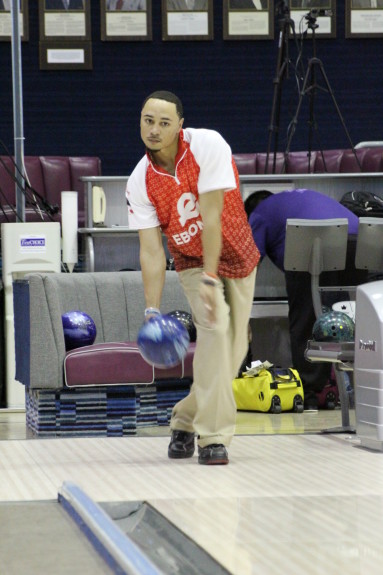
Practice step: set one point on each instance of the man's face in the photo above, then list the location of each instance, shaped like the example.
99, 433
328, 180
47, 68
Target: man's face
160, 125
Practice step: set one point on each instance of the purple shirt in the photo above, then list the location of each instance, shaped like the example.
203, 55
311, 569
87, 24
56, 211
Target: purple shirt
268, 219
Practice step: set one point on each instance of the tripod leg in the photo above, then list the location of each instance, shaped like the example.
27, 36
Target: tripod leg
306, 89
338, 111
277, 97
294, 121
312, 121
281, 74
275, 115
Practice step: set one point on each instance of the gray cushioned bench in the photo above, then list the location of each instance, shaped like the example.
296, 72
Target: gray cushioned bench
107, 388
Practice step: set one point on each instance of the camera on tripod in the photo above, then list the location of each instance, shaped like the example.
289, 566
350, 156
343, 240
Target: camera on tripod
312, 16
316, 12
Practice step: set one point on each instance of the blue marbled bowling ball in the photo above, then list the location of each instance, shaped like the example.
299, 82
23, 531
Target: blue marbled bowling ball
79, 329
163, 341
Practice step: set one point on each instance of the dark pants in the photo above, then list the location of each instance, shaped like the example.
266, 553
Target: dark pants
302, 316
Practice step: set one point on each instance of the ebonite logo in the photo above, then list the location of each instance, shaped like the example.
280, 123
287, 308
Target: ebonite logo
367, 345
188, 208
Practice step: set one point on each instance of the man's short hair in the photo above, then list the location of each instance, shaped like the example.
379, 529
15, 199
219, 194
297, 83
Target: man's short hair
168, 97
254, 199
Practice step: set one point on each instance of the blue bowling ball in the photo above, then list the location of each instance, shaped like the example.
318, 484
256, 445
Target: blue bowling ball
163, 341
79, 329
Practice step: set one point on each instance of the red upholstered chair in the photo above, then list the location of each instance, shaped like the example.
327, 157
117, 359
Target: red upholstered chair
298, 162
35, 174
35, 178
8, 188
349, 163
56, 173
328, 161
279, 163
246, 163
81, 167
373, 160
48, 176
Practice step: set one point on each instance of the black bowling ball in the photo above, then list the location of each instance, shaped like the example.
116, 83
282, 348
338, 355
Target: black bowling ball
186, 319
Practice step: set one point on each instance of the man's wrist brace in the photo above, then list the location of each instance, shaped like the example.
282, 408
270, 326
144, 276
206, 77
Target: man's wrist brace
152, 311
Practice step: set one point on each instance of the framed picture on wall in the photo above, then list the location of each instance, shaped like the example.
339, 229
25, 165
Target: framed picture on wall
364, 18
248, 19
187, 20
65, 38
6, 23
126, 20
314, 15
64, 19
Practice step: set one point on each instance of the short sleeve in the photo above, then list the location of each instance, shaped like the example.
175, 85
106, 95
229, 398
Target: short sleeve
214, 157
142, 213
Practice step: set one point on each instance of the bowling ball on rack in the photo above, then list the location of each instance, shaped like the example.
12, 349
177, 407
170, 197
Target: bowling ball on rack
334, 326
79, 329
186, 318
163, 341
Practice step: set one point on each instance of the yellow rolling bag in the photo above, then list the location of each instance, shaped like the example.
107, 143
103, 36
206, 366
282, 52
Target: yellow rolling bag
272, 390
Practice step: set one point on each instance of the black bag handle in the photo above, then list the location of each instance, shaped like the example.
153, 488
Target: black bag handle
281, 371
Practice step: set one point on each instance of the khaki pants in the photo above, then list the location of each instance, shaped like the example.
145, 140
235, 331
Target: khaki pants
210, 410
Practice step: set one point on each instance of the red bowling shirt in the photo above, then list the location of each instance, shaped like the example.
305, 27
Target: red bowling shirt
204, 163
